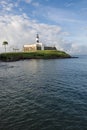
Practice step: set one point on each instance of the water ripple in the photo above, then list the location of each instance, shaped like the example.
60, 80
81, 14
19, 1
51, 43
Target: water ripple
41, 95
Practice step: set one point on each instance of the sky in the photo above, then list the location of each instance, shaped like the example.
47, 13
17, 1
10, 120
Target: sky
60, 23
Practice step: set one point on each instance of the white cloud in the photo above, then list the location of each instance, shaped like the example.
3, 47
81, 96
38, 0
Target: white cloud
20, 29
61, 15
78, 49
28, 1
6, 6
65, 33
69, 4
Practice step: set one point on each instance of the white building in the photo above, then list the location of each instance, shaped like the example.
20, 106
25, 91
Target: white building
33, 47
37, 46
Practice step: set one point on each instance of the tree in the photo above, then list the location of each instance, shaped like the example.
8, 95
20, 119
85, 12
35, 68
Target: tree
5, 43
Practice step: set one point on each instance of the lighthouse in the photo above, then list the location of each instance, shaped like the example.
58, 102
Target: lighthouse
37, 46
38, 43
37, 38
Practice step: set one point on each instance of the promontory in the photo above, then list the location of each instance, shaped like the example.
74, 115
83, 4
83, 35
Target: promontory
40, 54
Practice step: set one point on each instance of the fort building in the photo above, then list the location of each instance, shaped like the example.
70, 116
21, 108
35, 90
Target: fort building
37, 46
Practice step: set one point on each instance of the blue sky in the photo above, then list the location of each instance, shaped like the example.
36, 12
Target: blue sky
62, 23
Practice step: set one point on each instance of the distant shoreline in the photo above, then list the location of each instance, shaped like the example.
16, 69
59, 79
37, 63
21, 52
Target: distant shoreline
47, 54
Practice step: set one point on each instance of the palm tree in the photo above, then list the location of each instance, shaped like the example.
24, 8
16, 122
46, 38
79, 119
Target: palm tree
5, 43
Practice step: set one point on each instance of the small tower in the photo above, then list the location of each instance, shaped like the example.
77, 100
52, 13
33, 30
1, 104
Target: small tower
37, 38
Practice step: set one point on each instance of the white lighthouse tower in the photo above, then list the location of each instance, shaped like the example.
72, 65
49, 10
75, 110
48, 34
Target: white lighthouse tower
37, 38
38, 43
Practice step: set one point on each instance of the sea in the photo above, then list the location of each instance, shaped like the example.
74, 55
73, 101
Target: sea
41, 94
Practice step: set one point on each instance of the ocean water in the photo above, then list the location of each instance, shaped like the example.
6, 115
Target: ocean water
44, 94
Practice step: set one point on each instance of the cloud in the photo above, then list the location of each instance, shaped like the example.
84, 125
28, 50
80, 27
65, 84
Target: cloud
69, 4
59, 15
65, 33
19, 30
28, 1
5, 6
8, 6
78, 49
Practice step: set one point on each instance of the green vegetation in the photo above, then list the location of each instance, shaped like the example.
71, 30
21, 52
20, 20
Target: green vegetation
5, 43
46, 54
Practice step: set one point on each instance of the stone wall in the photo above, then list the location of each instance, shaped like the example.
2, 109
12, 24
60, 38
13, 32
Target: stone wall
49, 48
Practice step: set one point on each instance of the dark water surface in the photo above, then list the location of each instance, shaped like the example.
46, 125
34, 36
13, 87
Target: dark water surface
44, 94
